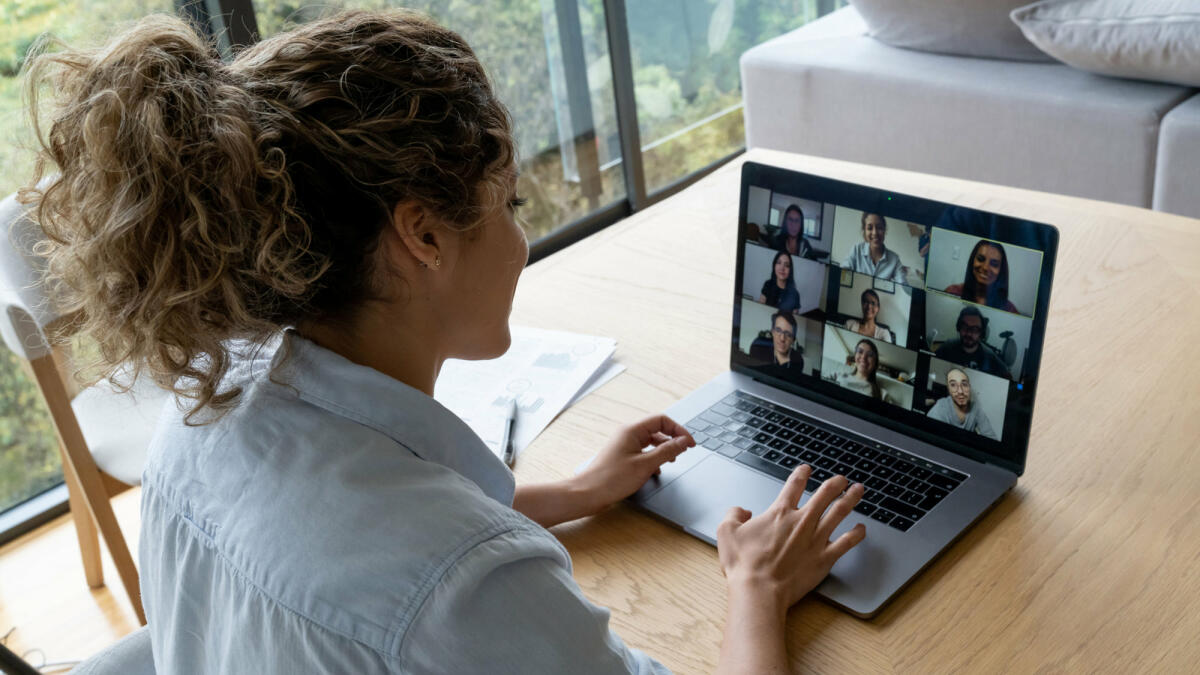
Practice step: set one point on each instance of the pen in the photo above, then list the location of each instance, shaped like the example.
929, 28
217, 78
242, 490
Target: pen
510, 423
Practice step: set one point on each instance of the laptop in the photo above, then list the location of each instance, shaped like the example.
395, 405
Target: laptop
889, 338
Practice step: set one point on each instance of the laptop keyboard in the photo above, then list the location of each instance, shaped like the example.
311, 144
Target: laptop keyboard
900, 488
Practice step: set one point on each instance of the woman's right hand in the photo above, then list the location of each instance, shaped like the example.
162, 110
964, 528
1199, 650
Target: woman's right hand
785, 552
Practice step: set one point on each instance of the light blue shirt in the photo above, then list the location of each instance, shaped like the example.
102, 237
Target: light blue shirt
338, 521
888, 267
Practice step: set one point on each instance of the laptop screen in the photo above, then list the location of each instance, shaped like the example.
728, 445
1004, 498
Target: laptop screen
918, 315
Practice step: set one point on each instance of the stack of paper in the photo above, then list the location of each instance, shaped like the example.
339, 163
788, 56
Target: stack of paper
544, 370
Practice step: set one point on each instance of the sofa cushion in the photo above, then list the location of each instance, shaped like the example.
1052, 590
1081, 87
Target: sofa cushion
961, 27
828, 90
1145, 39
1175, 189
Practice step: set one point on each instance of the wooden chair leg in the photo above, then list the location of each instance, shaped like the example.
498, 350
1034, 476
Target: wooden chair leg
77, 455
85, 528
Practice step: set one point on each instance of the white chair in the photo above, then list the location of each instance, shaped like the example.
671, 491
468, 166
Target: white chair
103, 435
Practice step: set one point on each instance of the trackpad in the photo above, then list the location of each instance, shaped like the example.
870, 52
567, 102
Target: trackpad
700, 499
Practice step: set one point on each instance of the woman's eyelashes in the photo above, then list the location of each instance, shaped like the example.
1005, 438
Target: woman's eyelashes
517, 202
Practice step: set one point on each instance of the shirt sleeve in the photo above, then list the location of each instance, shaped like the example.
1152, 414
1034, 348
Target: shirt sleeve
510, 605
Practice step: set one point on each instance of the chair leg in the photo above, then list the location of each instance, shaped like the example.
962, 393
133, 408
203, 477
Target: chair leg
85, 528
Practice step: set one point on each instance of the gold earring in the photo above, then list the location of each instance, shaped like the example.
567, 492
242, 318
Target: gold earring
437, 262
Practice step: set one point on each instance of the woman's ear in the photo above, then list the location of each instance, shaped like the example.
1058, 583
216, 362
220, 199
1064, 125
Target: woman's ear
419, 234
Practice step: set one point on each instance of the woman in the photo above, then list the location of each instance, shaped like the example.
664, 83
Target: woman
986, 278
867, 326
862, 377
870, 256
791, 239
346, 191
962, 408
780, 290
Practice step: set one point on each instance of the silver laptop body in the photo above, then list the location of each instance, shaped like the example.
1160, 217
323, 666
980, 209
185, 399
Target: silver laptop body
921, 381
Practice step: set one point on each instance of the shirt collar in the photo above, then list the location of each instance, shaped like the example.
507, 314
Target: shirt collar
410, 417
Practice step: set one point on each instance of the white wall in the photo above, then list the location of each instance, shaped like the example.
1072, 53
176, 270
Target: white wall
990, 392
902, 238
894, 308
948, 253
809, 276
758, 206
941, 315
839, 345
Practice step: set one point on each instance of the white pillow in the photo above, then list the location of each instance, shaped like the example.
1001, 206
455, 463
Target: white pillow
1144, 39
960, 27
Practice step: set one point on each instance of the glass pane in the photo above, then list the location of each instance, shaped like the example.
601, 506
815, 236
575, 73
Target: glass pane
686, 75
29, 459
548, 60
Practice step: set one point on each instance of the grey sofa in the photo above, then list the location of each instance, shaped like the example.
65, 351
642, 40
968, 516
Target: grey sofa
828, 89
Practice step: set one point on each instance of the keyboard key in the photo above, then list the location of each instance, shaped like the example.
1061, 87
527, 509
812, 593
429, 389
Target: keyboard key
875, 483
901, 524
789, 462
859, 476
722, 409
745, 406
872, 496
760, 437
819, 434
757, 449
865, 465
785, 434
836, 441
769, 468
853, 446
700, 438
901, 509
729, 437
842, 469
742, 417
743, 443
954, 475
825, 463
729, 450
903, 466
817, 446
760, 412
911, 497
712, 418
881, 515
893, 490
885, 460
774, 417
755, 422
808, 456
805, 428
777, 444
920, 473
833, 453
822, 474
920, 487
773, 456
792, 450
747, 431
943, 482
869, 453
789, 423
865, 508
770, 428
883, 472
902, 480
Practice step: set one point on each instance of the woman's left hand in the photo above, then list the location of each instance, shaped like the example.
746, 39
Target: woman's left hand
624, 465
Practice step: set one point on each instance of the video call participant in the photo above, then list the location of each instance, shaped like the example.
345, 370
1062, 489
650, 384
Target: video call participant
871, 257
862, 377
791, 234
784, 363
780, 290
961, 408
870, 311
986, 278
969, 349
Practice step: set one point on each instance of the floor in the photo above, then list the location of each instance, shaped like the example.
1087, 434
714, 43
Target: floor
47, 610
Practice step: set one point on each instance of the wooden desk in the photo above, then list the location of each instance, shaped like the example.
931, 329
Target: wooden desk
1091, 564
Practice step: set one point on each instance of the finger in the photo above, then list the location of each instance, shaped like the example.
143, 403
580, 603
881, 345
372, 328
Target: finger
734, 518
853, 537
793, 489
645, 429
659, 437
822, 498
666, 451
839, 510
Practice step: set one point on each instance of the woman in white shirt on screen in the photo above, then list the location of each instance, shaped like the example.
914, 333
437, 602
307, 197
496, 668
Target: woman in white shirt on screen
870, 311
294, 242
871, 257
861, 377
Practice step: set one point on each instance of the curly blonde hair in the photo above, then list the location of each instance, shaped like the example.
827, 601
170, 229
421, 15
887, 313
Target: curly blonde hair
199, 203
